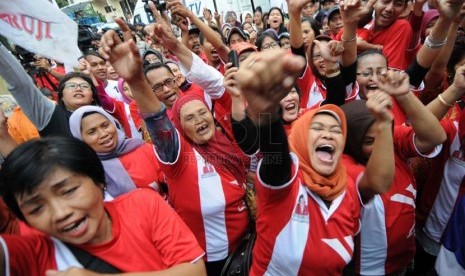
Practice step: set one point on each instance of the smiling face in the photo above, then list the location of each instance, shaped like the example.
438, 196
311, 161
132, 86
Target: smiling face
111, 73
98, 67
369, 68
99, 133
275, 19
290, 106
387, 12
69, 207
197, 122
168, 95
318, 60
326, 143
75, 96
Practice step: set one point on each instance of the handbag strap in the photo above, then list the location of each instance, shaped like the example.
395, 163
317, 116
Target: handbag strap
92, 262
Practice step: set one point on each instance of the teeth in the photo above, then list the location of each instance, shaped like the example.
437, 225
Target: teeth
74, 226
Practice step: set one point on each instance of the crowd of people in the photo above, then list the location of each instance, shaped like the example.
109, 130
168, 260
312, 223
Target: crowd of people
328, 140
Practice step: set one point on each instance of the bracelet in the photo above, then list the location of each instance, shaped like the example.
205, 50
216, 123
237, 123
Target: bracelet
441, 100
349, 40
432, 43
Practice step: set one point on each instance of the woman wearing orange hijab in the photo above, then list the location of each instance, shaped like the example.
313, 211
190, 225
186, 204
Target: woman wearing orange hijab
292, 241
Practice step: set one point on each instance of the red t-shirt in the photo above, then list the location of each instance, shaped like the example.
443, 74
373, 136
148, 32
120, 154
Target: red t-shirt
298, 234
386, 242
395, 40
147, 236
142, 166
210, 201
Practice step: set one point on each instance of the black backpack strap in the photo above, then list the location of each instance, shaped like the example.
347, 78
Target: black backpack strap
91, 262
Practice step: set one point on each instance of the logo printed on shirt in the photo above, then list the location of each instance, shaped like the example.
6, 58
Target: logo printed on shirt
301, 210
208, 171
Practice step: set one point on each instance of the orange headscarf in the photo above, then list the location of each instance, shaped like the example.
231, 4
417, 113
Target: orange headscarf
327, 187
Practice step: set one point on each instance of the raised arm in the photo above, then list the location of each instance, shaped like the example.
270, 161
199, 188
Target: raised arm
209, 34
36, 106
264, 79
126, 60
443, 102
380, 168
295, 26
351, 14
428, 130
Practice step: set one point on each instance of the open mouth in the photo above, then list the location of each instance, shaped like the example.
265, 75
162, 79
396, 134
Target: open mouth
290, 107
75, 227
203, 129
371, 87
325, 152
171, 97
78, 95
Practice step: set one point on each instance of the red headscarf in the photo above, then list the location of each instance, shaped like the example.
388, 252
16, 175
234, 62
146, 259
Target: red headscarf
327, 187
218, 151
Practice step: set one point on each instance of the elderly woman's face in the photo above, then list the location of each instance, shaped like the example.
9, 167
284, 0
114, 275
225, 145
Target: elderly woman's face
326, 143
197, 122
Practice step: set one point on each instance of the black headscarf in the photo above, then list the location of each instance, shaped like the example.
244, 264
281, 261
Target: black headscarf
359, 120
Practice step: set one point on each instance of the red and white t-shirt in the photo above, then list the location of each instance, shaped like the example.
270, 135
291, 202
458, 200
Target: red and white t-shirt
313, 92
442, 191
298, 234
210, 201
386, 242
147, 236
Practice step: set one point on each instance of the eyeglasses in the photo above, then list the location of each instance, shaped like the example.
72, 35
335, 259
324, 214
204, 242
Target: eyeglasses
157, 88
72, 85
368, 74
270, 46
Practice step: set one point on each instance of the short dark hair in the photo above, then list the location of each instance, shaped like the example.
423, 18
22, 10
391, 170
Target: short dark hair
92, 53
263, 35
369, 53
313, 24
216, 29
156, 65
86, 78
29, 164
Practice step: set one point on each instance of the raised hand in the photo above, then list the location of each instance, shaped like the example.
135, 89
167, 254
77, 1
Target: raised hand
331, 51
123, 56
379, 104
161, 30
84, 66
459, 78
229, 82
178, 8
265, 79
393, 82
297, 5
449, 9
353, 10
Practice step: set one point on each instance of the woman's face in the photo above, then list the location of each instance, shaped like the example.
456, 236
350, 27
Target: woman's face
268, 44
127, 91
308, 34
231, 19
326, 144
197, 122
76, 93
275, 19
67, 206
318, 60
369, 69
285, 43
99, 133
176, 72
248, 18
290, 106
248, 27
368, 141
257, 18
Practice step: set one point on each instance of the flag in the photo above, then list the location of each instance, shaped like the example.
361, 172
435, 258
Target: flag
40, 27
451, 257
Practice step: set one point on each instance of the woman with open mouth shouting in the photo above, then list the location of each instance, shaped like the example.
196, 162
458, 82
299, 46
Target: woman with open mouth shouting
204, 170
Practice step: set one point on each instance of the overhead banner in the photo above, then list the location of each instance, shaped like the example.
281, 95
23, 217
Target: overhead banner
40, 27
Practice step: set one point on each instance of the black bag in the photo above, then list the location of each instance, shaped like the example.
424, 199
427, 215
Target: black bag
239, 262
92, 263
